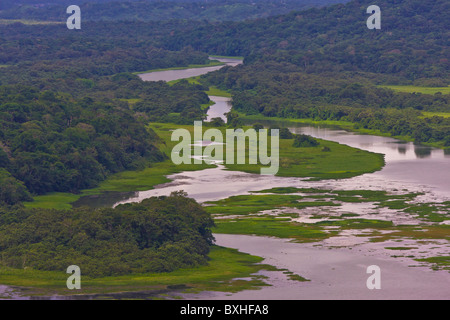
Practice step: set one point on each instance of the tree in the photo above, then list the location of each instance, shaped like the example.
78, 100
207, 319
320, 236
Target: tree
304, 141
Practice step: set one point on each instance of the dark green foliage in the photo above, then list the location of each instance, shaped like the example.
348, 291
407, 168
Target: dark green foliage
158, 235
213, 10
258, 126
12, 191
57, 143
282, 90
160, 102
285, 133
304, 141
73, 136
233, 119
217, 122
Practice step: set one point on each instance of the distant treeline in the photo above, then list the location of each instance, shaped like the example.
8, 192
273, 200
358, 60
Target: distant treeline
72, 112
411, 44
279, 90
158, 10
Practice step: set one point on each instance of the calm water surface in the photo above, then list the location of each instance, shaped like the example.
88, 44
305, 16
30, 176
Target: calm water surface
335, 273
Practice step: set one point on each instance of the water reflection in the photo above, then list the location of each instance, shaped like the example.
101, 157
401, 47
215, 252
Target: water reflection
171, 75
422, 152
104, 200
402, 149
221, 106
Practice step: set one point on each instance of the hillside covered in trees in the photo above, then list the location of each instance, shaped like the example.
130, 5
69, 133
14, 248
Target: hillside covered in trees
322, 64
73, 111
158, 10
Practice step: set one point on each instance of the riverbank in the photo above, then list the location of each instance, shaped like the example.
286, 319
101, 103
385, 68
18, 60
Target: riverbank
328, 160
334, 273
212, 63
227, 271
339, 163
315, 213
345, 125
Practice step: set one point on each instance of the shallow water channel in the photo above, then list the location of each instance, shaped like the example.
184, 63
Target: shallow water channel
336, 267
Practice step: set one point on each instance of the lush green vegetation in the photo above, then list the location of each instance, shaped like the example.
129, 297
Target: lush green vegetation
281, 91
416, 89
212, 10
272, 227
158, 235
50, 142
75, 121
210, 277
326, 160
286, 213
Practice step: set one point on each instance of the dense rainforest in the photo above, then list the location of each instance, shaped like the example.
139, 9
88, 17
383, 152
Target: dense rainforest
158, 235
71, 139
158, 10
279, 90
67, 119
73, 111
321, 64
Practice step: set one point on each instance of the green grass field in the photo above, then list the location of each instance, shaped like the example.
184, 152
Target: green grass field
341, 162
424, 90
225, 265
345, 125
227, 57
436, 114
29, 22
214, 91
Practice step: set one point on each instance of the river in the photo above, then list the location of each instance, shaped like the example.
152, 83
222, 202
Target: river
171, 75
337, 267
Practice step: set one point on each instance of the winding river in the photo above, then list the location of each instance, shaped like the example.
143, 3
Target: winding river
337, 267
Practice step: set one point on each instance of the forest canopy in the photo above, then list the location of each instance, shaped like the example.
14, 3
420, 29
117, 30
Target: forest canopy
158, 235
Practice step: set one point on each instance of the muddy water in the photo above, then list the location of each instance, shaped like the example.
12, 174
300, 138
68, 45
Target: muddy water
219, 109
407, 165
408, 168
338, 273
170, 75
337, 266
